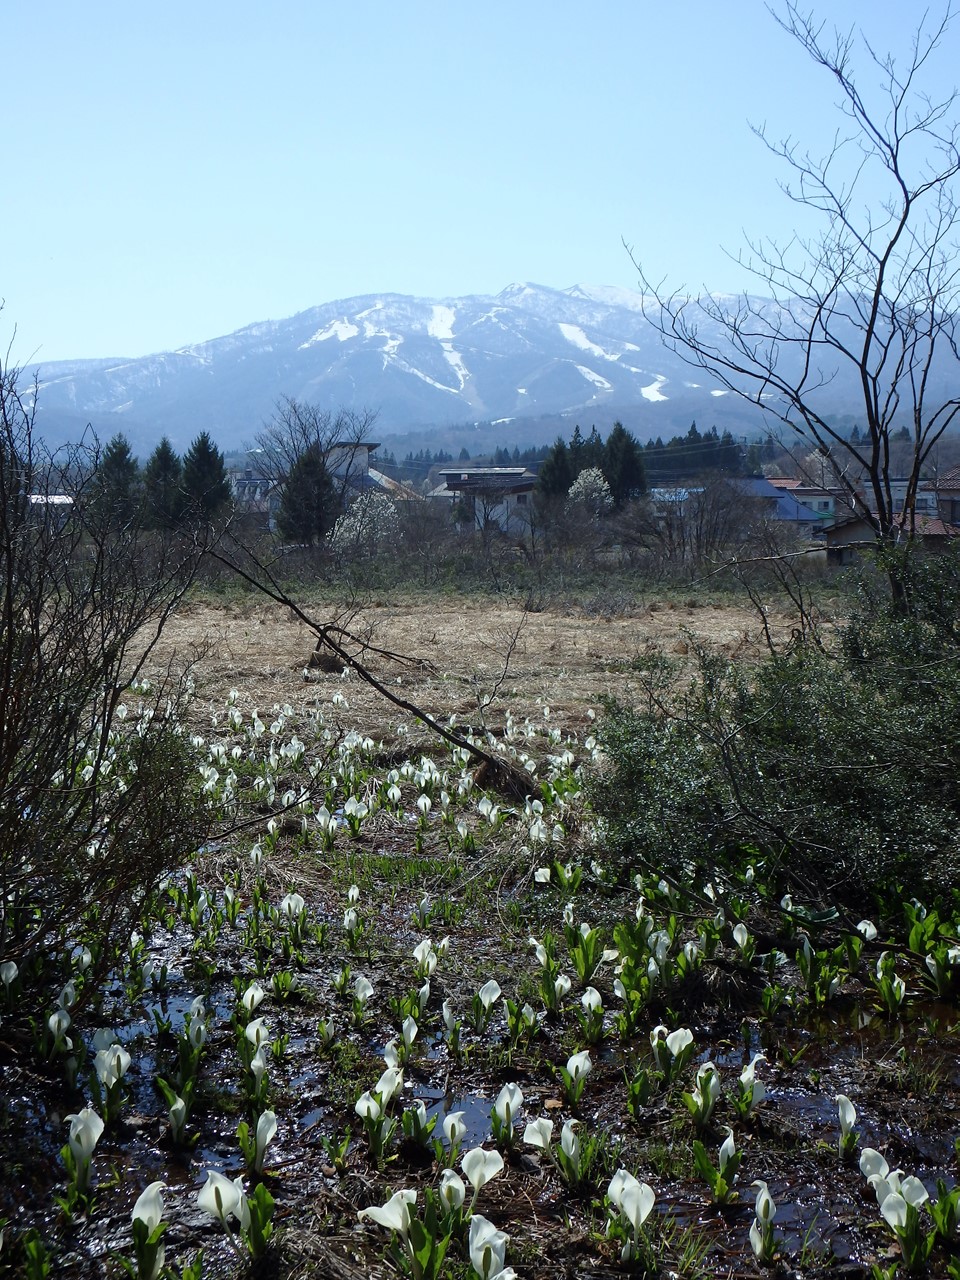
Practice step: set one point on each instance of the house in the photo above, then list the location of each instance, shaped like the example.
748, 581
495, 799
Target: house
494, 497
349, 465
828, 502
779, 505
846, 537
947, 488
51, 509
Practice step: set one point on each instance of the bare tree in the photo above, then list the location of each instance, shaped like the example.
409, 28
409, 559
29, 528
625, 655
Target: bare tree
870, 299
312, 457
94, 805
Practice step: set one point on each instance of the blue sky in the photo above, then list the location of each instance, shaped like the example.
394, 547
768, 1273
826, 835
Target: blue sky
177, 171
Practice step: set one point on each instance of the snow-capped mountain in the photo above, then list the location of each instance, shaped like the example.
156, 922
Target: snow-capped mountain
530, 352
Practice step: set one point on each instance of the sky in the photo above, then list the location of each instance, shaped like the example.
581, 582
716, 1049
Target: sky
177, 171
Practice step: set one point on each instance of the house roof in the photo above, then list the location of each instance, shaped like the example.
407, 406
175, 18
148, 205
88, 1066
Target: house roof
487, 479
923, 526
787, 507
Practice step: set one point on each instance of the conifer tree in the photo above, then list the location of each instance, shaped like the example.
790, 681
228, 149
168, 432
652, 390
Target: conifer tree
206, 485
163, 496
556, 474
116, 488
309, 505
622, 465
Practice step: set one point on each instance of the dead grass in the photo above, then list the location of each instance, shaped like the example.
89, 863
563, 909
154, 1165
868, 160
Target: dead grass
565, 660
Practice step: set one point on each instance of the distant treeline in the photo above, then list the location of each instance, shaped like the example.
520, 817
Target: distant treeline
662, 462
414, 467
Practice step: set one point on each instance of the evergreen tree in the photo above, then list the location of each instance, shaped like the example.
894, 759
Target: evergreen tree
730, 455
309, 506
593, 454
206, 486
556, 474
464, 455
693, 462
623, 465
116, 489
576, 453
163, 498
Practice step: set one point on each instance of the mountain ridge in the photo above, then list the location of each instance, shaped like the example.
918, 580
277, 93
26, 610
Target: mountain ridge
528, 353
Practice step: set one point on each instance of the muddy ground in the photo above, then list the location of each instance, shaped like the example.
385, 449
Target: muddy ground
476, 661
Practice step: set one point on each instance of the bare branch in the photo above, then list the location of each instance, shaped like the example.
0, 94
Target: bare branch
871, 300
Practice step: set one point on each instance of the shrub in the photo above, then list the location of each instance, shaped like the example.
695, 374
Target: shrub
93, 805
838, 768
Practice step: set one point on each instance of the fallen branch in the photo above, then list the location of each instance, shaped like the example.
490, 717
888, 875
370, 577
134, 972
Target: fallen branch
493, 771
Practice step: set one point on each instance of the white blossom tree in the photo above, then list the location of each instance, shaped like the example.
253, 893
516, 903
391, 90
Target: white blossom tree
591, 493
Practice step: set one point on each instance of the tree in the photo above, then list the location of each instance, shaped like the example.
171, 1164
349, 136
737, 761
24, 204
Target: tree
163, 496
871, 297
95, 804
206, 485
556, 475
591, 493
585, 453
369, 523
115, 494
622, 465
333, 440
309, 503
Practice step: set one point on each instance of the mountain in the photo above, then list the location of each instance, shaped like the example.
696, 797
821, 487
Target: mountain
527, 356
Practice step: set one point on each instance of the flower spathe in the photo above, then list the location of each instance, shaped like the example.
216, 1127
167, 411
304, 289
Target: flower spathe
633, 1199
509, 1102
266, 1132
538, 1133
579, 1064
487, 1247
452, 1189
765, 1209
570, 1143
149, 1206
454, 1129
86, 1130
394, 1215
367, 1107
480, 1166
223, 1199
489, 993
847, 1113
389, 1085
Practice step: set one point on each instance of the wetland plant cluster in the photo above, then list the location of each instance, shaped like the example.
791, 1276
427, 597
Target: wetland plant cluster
388, 1010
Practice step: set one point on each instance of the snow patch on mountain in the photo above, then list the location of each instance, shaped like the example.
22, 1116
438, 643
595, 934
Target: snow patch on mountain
440, 324
455, 361
595, 378
609, 295
425, 377
652, 392
340, 329
573, 333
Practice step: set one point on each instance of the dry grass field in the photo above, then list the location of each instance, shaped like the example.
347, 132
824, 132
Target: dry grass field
463, 652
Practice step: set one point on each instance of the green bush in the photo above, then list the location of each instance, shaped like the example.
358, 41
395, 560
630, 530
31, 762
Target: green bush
839, 769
